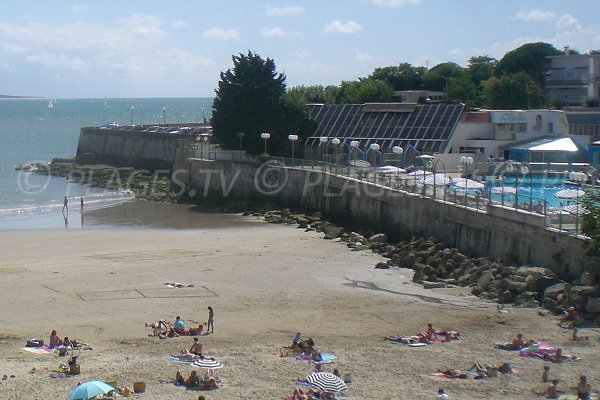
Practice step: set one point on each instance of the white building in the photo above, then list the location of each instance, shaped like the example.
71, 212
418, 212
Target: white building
574, 78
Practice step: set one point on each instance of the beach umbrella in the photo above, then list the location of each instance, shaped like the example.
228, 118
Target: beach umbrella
504, 189
89, 390
570, 194
326, 381
574, 209
206, 362
439, 179
418, 173
389, 169
465, 183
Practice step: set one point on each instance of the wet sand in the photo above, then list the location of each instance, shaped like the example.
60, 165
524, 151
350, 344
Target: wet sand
101, 283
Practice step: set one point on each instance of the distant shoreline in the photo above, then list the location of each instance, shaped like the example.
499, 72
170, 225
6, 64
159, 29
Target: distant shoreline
6, 96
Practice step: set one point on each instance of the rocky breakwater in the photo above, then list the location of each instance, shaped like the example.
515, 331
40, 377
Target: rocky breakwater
142, 183
436, 265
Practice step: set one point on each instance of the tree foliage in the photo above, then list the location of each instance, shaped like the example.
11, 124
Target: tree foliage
251, 98
401, 77
591, 218
509, 92
529, 58
435, 78
367, 90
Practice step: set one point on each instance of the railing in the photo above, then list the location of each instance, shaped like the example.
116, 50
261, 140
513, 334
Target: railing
476, 200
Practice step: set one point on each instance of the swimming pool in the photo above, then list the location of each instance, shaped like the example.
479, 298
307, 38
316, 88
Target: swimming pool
539, 188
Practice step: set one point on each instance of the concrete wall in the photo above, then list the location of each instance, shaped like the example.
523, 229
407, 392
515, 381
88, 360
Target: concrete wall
143, 150
505, 235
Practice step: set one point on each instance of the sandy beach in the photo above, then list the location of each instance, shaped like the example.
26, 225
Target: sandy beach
101, 281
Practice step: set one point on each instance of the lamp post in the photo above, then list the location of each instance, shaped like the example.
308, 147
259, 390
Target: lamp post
240, 136
164, 115
434, 170
353, 146
292, 139
265, 136
579, 178
203, 117
398, 151
322, 141
466, 161
131, 115
445, 86
375, 147
335, 142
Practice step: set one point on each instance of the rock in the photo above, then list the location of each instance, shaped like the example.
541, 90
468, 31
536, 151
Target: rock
382, 265
332, 231
588, 279
379, 238
593, 305
433, 285
356, 237
578, 295
484, 280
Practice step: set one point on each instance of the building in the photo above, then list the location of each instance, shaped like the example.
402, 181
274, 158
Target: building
574, 78
446, 131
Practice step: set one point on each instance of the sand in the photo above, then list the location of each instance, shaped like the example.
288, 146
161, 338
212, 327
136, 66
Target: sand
101, 282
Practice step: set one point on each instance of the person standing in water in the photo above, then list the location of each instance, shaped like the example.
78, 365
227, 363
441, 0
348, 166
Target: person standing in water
210, 324
65, 204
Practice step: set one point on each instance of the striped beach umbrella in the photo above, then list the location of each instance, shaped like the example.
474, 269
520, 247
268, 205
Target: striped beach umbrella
206, 362
326, 381
465, 183
570, 194
437, 179
504, 189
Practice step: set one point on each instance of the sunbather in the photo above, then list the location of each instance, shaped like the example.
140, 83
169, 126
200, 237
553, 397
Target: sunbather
161, 327
210, 384
584, 389
311, 393
517, 343
408, 339
552, 390
191, 380
55, 341
453, 373
558, 357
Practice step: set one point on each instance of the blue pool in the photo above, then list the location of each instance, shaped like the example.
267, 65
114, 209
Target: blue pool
538, 187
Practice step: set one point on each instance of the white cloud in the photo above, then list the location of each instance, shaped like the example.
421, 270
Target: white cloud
534, 15
347, 27
284, 11
395, 3
361, 57
273, 32
221, 34
178, 24
58, 61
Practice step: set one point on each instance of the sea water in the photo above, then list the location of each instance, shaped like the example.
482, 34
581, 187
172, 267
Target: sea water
33, 131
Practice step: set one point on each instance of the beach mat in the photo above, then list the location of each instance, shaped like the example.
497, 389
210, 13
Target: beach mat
180, 359
39, 350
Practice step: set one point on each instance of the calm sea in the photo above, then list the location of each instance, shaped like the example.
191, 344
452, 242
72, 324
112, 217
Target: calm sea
32, 130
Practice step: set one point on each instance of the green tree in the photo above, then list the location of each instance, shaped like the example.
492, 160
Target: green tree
591, 218
529, 58
481, 68
315, 93
365, 90
401, 77
250, 99
436, 77
463, 90
518, 91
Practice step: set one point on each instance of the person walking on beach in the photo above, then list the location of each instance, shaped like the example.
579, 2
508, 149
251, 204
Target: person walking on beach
81, 201
65, 204
210, 324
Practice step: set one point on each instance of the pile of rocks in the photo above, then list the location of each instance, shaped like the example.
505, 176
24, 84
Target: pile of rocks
142, 184
436, 265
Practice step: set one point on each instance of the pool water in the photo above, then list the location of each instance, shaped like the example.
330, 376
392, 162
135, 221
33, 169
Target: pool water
540, 188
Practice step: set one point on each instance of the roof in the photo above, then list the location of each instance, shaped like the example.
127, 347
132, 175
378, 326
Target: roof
426, 127
548, 144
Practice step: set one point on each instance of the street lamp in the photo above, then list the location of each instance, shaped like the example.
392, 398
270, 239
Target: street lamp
203, 117
353, 146
240, 136
526, 168
398, 151
164, 115
446, 85
466, 162
322, 141
132, 115
434, 170
292, 139
335, 142
265, 136
579, 178
375, 147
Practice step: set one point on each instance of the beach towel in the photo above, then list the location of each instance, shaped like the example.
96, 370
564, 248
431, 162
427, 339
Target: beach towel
173, 357
412, 344
39, 350
326, 358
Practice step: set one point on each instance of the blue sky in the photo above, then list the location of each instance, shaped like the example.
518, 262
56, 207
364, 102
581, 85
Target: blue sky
166, 48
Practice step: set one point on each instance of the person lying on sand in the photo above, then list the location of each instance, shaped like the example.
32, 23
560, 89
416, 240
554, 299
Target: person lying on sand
161, 327
408, 339
311, 393
453, 373
558, 357
517, 343
191, 380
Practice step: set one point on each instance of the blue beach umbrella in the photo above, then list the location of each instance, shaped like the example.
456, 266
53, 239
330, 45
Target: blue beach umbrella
89, 390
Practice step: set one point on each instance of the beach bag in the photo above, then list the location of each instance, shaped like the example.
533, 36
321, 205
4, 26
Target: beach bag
35, 343
505, 368
492, 372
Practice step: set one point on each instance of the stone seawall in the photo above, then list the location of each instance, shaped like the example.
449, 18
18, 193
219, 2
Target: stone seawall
502, 234
141, 150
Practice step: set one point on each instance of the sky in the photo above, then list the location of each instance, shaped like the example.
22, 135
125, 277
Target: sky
167, 48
